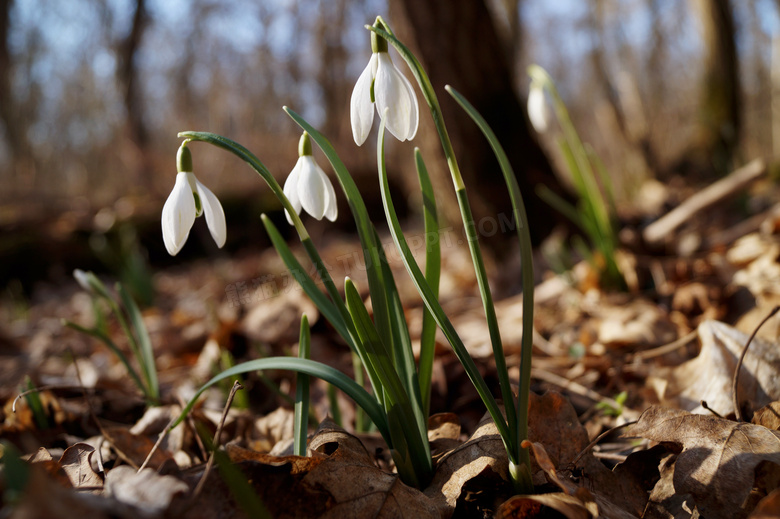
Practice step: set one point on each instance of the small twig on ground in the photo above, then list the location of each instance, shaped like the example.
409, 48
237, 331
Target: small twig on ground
598, 439
667, 348
157, 444
737, 410
236, 386
703, 403
664, 226
191, 423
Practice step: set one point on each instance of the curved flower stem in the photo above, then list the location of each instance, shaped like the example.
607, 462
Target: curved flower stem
341, 309
468, 221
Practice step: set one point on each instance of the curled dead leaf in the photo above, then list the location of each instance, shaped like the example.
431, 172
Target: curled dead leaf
717, 460
709, 376
76, 462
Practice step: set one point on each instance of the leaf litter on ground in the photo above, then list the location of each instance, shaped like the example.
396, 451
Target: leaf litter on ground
586, 337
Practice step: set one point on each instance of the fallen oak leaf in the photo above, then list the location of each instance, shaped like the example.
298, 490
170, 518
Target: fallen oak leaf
718, 457
76, 462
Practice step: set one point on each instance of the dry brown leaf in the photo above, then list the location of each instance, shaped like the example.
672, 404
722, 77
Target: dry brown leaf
339, 480
76, 461
768, 416
443, 433
147, 490
719, 457
709, 376
482, 456
767, 508
526, 506
664, 501
277, 317
638, 323
45, 497
134, 448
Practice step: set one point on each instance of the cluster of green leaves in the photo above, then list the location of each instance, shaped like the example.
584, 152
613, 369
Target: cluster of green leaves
594, 211
399, 401
128, 315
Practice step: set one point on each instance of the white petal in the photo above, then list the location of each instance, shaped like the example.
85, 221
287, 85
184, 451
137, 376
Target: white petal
537, 108
311, 187
361, 109
393, 93
215, 216
331, 206
415, 120
178, 215
291, 191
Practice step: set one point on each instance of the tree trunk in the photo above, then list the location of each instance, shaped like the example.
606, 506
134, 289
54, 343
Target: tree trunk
717, 135
127, 76
10, 114
457, 43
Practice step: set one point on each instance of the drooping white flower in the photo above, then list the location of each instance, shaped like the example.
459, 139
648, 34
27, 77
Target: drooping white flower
188, 200
308, 186
537, 107
381, 83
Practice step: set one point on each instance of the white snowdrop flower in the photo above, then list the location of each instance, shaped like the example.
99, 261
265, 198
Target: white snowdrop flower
537, 107
308, 186
188, 200
381, 83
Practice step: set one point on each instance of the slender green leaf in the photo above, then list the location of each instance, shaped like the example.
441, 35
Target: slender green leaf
433, 305
105, 339
334, 311
432, 276
371, 248
521, 476
146, 360
315, 369
301, 418
410, 443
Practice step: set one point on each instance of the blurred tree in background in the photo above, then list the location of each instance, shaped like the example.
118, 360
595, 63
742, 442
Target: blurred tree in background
93, 92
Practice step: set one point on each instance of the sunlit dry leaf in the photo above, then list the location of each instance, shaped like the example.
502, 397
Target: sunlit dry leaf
768, 416
277, 317
155, 420
638, 323
40, 455
443, 433
709, 376
482, 456
76, 461
271, 429
718, 458
145, 490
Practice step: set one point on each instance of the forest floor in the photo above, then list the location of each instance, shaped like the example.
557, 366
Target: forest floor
657, 359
